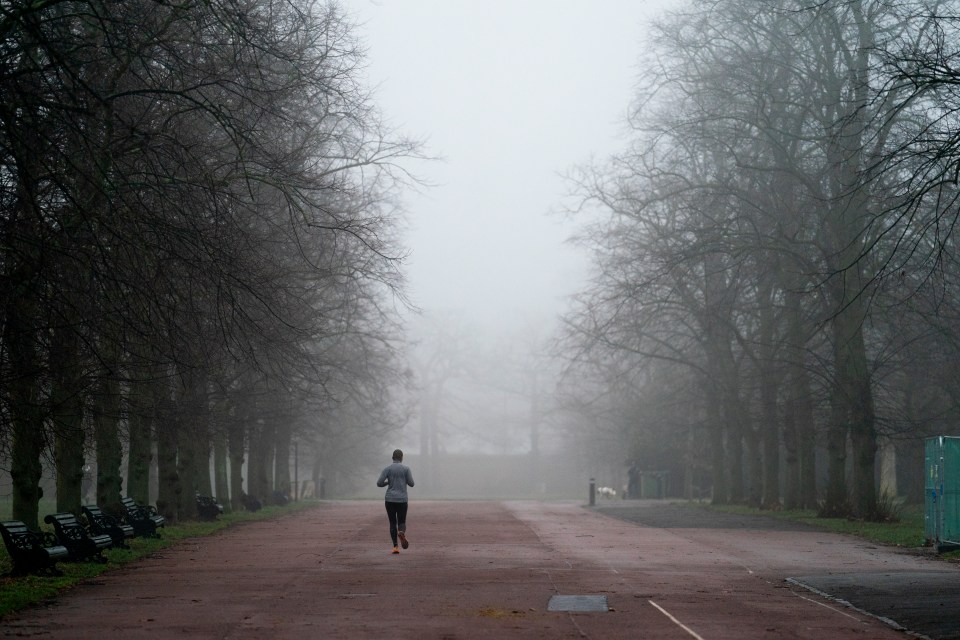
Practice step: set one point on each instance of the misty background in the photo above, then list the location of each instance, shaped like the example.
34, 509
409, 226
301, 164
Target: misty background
701, 249
508, 97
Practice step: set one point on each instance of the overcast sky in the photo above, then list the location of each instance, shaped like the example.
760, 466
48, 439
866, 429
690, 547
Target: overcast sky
511, 93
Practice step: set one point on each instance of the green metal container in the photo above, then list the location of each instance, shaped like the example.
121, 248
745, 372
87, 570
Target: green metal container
942, 501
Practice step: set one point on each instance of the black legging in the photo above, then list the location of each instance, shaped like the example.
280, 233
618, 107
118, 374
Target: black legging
397, 512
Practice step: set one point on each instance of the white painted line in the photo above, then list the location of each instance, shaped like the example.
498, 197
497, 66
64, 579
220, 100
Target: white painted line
676, 622
887, 621
843, 613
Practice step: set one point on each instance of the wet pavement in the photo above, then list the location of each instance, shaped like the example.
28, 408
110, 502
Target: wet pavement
924, 601
490, 570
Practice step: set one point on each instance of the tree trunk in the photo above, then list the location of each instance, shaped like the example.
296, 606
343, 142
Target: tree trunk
835, 500
21, 340
168, 479
853, 397
270, 457
715, 422
236, 446
799, 432
770, 425
739, 432
141, 415
69, 461
281, 482
25, 413
201, 434
722, 370
187, 447
800, 405
140, 449
863, 434
219, 415
808, 453
221, 485
317, 475
25, 468
66, 400
106, 418
852, 402
754, 466
260, 465
734, 459
256, 461
791, 448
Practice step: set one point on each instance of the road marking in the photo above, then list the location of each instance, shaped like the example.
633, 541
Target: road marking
676, 622
843, 613
887, 621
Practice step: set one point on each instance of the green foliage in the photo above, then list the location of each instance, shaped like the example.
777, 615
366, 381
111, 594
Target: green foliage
18, 593
906, 530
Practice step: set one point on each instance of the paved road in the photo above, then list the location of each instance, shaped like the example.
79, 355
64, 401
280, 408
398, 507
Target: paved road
478, 570
909, 589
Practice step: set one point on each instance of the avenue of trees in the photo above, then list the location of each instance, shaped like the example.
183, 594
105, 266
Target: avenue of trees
775, 299
198, 251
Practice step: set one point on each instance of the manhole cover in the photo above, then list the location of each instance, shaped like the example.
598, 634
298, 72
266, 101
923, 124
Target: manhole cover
577, 603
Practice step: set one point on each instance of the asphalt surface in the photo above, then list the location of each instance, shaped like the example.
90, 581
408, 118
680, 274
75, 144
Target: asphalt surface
924, 602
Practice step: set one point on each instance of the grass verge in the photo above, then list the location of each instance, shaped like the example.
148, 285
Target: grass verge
907, 532
22, 592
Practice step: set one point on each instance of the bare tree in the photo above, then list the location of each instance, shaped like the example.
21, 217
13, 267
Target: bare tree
202, 166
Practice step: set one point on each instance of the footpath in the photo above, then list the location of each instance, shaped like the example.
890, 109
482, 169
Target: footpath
490, 570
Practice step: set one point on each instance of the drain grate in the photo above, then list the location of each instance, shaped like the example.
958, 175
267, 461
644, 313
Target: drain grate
577, 603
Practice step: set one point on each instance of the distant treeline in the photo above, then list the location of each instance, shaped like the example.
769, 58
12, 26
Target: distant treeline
776, 263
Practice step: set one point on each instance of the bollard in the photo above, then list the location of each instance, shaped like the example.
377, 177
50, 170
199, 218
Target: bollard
593, 492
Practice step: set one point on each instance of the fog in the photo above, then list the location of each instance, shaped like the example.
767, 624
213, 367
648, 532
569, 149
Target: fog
508, 96
244, 238
701, 342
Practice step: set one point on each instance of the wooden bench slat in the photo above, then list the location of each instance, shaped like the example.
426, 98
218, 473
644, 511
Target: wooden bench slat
144, 519
75, 538
29, 551
101, 523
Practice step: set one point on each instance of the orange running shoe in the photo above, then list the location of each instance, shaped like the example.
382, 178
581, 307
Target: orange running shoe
403, 539
395, 550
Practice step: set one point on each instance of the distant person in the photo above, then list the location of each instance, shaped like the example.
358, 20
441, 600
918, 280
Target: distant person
396, 478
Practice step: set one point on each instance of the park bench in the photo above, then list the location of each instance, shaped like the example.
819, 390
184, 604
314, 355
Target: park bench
31, 551
100, 523
144, 519
208, 508
74, 537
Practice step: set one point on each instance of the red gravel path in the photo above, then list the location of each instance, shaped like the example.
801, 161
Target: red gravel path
473, 570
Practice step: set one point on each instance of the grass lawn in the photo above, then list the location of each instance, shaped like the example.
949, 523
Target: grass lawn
908, 532
47, 505
17, 593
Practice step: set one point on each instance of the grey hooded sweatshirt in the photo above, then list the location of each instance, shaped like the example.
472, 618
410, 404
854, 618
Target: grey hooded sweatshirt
396, 478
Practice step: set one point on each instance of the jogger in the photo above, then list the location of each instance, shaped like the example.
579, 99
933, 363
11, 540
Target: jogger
396, 477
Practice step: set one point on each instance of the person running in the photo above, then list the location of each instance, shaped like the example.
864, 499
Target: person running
396, 478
